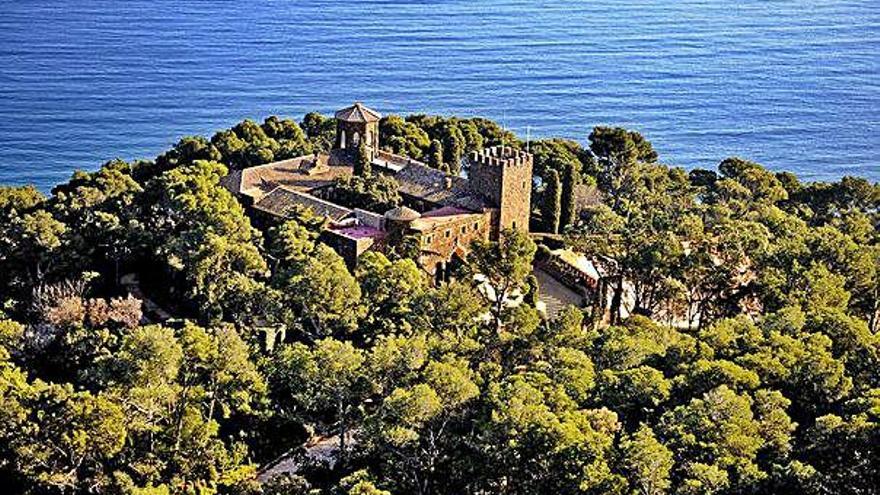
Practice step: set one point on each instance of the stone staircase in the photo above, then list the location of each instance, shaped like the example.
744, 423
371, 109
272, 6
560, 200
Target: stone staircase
554, 294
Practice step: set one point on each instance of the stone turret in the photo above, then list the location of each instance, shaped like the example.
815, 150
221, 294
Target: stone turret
356, 124
503, 175
397, 220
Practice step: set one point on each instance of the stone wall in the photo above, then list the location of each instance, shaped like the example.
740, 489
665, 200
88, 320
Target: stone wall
439, 244
348, 248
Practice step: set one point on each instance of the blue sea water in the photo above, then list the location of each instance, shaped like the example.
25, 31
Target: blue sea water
793, 84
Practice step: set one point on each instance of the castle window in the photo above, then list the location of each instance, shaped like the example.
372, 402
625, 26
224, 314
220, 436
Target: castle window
513, 225
428, 239
476, 226
463, 229
448, 233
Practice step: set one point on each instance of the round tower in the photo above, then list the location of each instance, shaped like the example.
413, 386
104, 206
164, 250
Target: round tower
397, 220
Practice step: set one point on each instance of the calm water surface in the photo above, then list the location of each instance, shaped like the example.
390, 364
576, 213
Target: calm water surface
792, 84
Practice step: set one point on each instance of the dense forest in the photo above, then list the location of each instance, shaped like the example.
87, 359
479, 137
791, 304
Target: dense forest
770, 383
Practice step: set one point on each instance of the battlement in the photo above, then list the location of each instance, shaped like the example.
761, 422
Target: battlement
498, 156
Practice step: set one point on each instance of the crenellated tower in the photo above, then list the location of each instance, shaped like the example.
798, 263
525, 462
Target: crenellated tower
503, 175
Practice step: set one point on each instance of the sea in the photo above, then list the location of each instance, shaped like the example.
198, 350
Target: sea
791, 84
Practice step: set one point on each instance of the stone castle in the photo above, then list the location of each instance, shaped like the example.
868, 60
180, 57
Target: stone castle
442, 213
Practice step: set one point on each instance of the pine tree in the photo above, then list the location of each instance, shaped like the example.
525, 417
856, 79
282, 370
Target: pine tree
647, 462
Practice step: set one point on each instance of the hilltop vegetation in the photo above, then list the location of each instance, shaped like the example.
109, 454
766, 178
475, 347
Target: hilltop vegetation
769, 382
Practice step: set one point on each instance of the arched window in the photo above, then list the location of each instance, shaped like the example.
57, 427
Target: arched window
342, 141
356, 140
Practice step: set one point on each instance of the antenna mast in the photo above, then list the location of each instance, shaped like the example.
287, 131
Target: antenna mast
503, 127
528, 138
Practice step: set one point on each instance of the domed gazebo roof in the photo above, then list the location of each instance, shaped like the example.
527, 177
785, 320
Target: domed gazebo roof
402, 214
358, 113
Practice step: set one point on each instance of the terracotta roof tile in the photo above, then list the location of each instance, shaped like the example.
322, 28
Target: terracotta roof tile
300, 174
402, 213
446, 214
281, 202
435, 186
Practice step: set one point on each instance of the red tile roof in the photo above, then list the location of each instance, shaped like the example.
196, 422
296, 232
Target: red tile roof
359, 232
281, 202
300, 174
358, 113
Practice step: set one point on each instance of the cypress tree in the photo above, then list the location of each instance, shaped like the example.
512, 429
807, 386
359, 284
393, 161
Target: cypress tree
453, 148
435, 155
362, 165
551, 203
569, 181
533, 289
